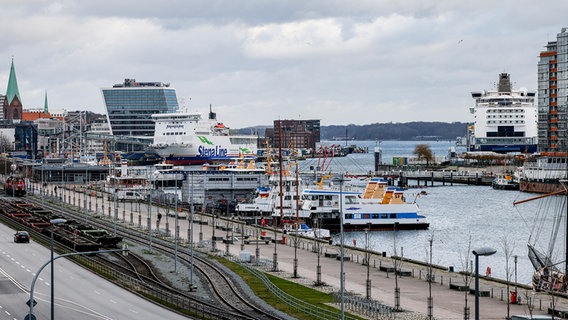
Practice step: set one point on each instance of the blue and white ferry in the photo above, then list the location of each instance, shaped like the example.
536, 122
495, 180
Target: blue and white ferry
378, 207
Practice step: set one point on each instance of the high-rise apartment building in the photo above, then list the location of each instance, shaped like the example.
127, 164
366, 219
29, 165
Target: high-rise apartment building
130, 105
553, 95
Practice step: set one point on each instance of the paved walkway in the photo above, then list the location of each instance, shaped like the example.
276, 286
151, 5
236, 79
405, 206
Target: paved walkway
414, 289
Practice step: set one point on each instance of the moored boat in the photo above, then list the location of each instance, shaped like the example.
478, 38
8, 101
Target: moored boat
543, 173
184, 138
305, 231
379, 207
504, 182
546, 258
128, 183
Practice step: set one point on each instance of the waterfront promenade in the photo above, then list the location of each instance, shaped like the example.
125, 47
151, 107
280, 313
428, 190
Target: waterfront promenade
414, 289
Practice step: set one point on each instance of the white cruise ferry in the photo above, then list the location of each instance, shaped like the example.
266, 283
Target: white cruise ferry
505, 119
184, 138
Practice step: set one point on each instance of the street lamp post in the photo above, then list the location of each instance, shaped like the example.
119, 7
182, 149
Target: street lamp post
477, 253
342, 275
367, 261
31, 302
42, 191
191, 225
53, 223
516, 294
150, 221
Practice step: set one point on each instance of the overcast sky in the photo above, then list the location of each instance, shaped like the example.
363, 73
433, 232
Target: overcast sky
343, 62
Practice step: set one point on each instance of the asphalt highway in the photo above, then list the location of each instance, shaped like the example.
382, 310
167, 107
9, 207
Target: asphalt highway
79, 294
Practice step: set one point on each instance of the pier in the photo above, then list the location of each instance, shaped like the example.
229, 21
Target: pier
428, 178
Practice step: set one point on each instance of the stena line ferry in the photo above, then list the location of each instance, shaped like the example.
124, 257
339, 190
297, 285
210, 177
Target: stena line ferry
184, 138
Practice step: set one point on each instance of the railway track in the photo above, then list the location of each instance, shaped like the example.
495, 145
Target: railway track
230, 303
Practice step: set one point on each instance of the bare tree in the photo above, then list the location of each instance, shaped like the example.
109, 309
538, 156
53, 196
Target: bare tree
467, 275
508, 251
397, 261
423, 152
5, 144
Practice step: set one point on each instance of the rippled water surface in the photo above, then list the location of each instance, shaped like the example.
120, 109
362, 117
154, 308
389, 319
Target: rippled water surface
462, 218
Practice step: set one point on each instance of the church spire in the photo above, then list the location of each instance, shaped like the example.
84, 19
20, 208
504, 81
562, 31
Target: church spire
45, 108
12, 91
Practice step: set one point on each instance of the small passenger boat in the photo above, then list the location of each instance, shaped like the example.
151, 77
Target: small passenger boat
379, 207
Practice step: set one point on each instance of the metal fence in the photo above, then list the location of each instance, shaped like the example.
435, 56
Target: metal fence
355, 303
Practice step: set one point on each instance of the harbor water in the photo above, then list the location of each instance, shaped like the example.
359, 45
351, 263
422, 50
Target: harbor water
462, 218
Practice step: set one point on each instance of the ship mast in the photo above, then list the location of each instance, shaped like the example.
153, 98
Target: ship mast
280, 173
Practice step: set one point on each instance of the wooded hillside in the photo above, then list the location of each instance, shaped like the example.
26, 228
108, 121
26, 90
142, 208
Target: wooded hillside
387, 131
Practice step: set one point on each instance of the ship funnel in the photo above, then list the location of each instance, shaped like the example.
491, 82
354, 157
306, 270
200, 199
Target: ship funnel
212, 115
504, 83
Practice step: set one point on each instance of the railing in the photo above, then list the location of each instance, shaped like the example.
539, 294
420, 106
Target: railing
364, 306
352, 302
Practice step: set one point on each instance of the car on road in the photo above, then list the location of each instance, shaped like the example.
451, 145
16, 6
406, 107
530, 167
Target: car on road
22, 236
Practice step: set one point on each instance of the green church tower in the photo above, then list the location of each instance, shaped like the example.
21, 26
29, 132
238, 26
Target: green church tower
13, 103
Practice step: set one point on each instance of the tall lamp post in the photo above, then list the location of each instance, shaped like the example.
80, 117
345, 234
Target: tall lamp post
53, 223
477, 253
342, 275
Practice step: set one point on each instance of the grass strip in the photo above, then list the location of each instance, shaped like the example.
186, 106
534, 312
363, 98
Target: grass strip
312, 296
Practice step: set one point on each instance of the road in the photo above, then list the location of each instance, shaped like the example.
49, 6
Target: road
79, 294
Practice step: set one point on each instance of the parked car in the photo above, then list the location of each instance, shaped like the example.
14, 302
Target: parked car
22, 236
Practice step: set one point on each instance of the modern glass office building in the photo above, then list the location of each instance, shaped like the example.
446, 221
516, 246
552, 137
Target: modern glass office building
130, 105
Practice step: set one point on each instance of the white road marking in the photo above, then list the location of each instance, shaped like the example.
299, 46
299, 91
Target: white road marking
112, 301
